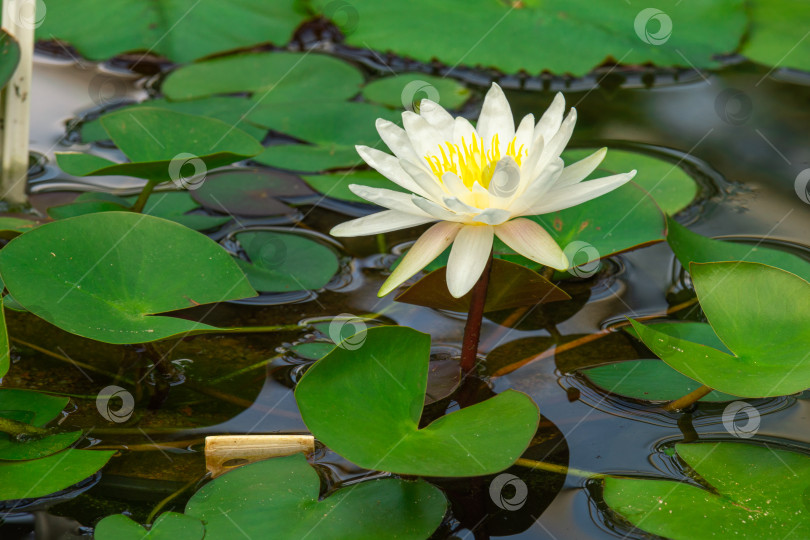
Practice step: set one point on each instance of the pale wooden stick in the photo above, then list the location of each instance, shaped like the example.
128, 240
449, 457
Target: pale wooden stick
226, 452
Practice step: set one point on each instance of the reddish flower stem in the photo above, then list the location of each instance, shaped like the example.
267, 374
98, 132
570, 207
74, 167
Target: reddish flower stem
472, 330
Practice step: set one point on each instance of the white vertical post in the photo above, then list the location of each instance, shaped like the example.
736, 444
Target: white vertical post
19, 20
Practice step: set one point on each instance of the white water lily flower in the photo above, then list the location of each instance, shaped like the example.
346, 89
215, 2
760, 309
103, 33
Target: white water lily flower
476, 182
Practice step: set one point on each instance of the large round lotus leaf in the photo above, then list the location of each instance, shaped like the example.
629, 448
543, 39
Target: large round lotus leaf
309, 158
276, 77
282, 262
169, 526
231, 110
9, 57
481, 439
561, 36
41, 477
751, 492
338, 122
758, 312
666, 182
282, 495
691, 247
775, 38
336, 185
181, 30
408, 89
249, 192
35, 409
161, 143
105, 276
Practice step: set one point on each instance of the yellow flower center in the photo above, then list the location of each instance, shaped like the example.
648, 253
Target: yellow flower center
471, 162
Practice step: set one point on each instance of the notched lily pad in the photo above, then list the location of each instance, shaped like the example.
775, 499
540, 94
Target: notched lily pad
168, 526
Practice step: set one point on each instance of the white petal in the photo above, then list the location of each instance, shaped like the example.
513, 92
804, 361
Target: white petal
505, 181
393, 200
437, 117
493, 216
550, 122
557, 144
388, 166
463, 131
468, 258
456, 205
436, 210
397, 140
537, 189
426, 181
560, 199
429, 246
530, 163
381, 222
424, 137
532, 241
496, 119
579, 171
524, 135
455, 186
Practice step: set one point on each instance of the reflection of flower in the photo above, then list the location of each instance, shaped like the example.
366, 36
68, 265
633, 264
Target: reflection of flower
474, 182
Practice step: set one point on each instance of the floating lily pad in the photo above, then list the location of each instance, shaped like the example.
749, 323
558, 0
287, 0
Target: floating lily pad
665, 181
774, 38
179, 30
41, 477
336, 185
481, 439
168, 526
276, 77
283, 262
157, 141
9, 57
408, 89
746, 491
249, 192
34, 409
309, 158
575, 36
283, 493
510, 285
11, 227
758, 312
175, 205
692, 247
105, 276
89, 203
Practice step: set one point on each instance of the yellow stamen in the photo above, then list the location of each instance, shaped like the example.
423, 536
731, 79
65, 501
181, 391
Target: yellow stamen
470, 161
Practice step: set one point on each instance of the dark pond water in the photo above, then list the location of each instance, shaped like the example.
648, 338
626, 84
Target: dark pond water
742, 133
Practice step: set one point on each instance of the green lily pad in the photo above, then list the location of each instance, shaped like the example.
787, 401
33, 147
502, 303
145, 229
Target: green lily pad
231, 110
43, 407
5, 361
510, 285
249, 192
283, 493
11, 227
277, 77
9, 57
758, 312
666, 182
691, 247
35, 409
89, 203
481, 439
157, 141
282, 262
179, 30
175, 205
330, 122
336, 185
168, 526
774, 38
406, 90
574, 35
105, 276
309, 158
41, 477
746, 491
314, 350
